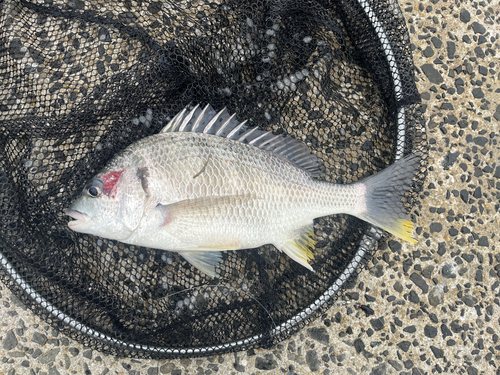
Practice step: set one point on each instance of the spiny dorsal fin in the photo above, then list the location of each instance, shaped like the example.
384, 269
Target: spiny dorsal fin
222, 124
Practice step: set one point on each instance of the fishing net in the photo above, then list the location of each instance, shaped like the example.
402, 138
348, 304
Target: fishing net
81, 80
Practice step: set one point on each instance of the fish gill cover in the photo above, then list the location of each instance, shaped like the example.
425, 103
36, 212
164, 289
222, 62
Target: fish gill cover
82, 80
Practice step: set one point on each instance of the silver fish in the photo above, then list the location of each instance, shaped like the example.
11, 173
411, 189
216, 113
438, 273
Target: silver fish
207, 183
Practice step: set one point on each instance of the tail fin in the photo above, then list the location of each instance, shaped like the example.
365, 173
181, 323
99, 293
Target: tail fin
384, 191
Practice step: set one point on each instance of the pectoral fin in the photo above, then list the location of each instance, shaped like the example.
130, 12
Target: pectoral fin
204, 206
298, 246
205, 261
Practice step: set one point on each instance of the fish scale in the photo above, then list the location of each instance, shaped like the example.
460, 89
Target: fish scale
207, 183
236, 170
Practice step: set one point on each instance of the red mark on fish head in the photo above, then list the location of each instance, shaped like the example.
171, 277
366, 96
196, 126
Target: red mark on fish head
110, 182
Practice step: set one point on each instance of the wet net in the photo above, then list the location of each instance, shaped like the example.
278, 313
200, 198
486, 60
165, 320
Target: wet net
81, 80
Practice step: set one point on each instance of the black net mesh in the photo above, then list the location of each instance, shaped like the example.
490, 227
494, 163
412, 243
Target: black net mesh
81, 80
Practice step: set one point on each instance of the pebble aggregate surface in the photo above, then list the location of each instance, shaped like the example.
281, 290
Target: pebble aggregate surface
436, 303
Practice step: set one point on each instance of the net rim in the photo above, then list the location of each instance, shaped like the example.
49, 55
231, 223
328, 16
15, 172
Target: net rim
369, 239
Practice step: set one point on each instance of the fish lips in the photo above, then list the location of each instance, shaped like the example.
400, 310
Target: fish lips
80, 218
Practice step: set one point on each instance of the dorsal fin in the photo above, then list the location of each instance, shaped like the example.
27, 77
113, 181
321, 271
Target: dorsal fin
222, 124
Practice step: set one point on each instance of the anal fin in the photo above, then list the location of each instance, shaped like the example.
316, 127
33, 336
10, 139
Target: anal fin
298, 247
205, 261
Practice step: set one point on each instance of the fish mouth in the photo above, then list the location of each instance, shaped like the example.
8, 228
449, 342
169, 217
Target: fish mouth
80, 217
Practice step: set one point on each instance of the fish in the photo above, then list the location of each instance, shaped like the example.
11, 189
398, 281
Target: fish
208, 183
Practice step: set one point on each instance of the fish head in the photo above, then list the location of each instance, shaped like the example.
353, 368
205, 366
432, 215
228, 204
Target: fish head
111, 205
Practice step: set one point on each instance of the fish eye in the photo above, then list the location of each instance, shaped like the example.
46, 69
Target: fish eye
94, 187
94, 191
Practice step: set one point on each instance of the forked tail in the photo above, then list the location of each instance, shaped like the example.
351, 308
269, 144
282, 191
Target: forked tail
383, 193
